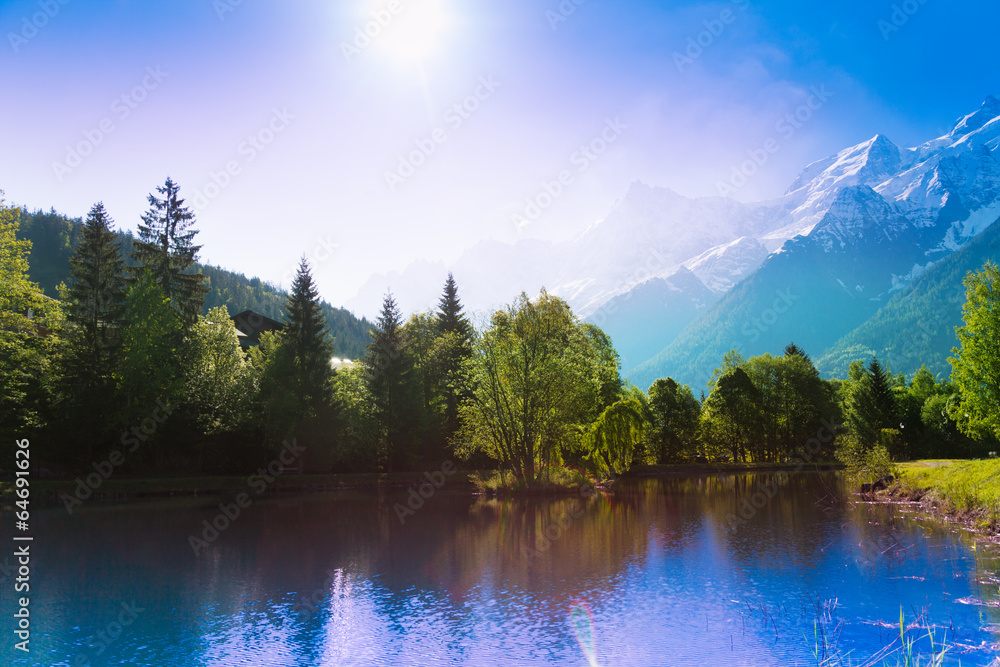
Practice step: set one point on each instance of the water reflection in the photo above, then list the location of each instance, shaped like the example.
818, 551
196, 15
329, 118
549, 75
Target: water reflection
672, 571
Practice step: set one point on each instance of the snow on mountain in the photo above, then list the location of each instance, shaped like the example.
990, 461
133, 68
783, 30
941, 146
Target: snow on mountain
723, 266
937, 195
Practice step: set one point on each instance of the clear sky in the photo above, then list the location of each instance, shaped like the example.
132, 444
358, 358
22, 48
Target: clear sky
300, 120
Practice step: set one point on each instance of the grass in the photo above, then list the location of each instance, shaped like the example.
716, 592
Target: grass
550, 481
962, 487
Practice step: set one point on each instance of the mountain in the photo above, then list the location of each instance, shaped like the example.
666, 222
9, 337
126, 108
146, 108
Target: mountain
654, 311
917, 325
651, 232
870, 220
53, 237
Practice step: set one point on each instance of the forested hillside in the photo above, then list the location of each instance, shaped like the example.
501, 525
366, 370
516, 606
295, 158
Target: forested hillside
917, 325
53, 237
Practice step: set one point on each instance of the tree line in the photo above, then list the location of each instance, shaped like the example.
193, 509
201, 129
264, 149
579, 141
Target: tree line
529, 390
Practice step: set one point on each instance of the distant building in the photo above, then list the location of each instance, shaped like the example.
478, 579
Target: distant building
250, 325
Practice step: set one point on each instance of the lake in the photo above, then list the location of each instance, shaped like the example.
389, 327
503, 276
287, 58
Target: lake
670, 571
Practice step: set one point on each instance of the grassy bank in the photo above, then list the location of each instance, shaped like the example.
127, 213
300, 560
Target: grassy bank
965, 490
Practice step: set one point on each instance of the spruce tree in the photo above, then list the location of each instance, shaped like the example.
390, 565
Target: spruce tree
166, 247
95, 305
306, 342
451, 319
872, 404
456, 332
388, 377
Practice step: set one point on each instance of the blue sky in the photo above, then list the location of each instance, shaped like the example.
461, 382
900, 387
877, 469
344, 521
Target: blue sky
264, 99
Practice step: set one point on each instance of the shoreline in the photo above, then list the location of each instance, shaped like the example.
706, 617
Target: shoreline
50, 491
949, 491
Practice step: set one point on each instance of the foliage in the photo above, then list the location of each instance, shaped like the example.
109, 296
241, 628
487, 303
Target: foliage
150, 371
309, 351
865, 463
534, 383
219, 382
390, 380
29, 327
976, 363
166, 248
870, 403
674, 416
54, 237
456, 346
611, 440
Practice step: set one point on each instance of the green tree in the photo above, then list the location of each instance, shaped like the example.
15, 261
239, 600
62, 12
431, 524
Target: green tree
455, 347
975, 366
308, 346
219, 384
533, 384
390, 381
95, 308
732, 413
29, 324
150, 372
166, 247
675, 417
611, 440
871, 405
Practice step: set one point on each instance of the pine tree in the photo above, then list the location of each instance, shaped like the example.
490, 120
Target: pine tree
388, 375
451, 319
166, 247
95, 303
305, 339
456, 332
872, 404
792, 350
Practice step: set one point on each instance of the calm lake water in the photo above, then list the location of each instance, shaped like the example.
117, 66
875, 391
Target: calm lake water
656, 573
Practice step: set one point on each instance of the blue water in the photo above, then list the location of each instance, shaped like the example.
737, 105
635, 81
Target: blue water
655, 573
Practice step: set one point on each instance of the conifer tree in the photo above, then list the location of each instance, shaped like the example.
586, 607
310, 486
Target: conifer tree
95, 305
388, 376
166, 247
451, 319
306, 342
872, 404
456, 333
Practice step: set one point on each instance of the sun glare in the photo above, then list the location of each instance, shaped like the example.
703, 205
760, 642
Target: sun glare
415, 30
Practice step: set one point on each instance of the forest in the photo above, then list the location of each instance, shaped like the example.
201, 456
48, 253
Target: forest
130, 363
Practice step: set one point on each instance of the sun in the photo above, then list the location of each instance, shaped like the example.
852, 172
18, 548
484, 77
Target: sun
415, 31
